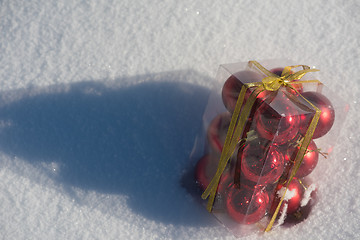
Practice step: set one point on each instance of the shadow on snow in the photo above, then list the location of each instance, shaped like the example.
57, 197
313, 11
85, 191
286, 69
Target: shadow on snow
132, 140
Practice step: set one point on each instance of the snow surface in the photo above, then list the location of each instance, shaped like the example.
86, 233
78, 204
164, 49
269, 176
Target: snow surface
101, 102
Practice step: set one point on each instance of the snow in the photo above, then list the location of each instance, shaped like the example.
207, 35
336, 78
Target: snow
101, 102
307, 195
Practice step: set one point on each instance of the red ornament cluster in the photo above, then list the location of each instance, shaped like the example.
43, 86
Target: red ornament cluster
250, 184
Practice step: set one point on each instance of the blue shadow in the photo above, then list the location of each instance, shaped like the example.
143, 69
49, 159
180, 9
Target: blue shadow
133, 140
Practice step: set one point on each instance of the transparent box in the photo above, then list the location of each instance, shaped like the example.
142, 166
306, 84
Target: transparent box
261, 164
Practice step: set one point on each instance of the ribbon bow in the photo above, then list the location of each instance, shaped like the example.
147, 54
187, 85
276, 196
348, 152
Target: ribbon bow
271, 82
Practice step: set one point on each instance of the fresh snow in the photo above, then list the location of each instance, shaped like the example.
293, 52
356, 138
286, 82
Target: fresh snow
101, 102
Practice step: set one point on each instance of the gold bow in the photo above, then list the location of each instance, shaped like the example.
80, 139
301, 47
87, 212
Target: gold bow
271, 82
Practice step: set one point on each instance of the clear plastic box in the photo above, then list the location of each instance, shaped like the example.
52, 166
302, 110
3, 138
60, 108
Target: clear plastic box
262, 162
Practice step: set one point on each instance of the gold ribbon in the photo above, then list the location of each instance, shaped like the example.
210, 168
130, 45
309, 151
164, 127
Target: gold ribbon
271, 82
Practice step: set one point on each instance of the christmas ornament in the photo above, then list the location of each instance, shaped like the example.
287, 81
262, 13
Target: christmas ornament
327, 115
293, 197
277, 71
246, 204
278, 121
233, 85
217, 131
204, 171
225, 183
308, 201
309, 161
239, 177
261, 162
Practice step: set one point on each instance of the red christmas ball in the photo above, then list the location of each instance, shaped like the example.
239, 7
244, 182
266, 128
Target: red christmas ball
205, 170
303, 211
277, 71
246, 205
233, 85
217, 131
261, 162
225, 182
309, 161
327, 115
278, 121
293, 197
239, 177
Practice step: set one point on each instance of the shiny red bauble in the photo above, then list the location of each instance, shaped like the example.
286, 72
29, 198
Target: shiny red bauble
233, 85
293, 197
204, 172
246, 205
277, 71
309, 161
327, 116
278, 121
217, 131
261, 162
305, 208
